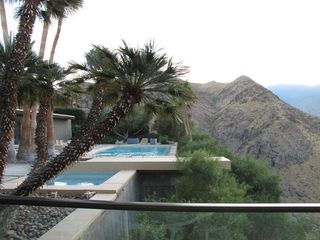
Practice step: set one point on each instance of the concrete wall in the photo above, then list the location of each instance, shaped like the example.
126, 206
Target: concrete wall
85, 224
61, 124
156, 183
115, 224
62, 129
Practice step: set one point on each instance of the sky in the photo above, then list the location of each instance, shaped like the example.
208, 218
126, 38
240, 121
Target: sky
270, 41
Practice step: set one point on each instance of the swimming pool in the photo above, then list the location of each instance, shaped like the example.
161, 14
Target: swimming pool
80, 178
135, 151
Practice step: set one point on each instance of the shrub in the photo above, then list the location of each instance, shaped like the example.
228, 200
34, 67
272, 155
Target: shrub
264, 185
202, 142
204, 181
163, 139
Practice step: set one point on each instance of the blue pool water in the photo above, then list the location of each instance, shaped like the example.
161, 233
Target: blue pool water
135, 151
80, 178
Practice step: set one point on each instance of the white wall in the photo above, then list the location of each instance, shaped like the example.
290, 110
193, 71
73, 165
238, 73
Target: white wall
62, 129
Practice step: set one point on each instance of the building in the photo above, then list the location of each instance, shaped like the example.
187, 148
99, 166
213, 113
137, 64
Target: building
61, 124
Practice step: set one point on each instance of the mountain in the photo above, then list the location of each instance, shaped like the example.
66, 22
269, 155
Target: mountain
250, 119
305, 98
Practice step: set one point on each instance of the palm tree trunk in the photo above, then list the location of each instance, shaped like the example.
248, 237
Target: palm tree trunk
95, 110
24, 145
186, 122
41, 137
12, 75
33, 127
76, 148
50, 132
1, 104
4, 23
44, 36
55, 41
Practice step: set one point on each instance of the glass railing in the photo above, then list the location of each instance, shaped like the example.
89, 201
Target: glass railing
45, 218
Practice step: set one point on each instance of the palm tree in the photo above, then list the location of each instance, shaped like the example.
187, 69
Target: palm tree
13, 72
51, 9
100, 62
142, 75
69, 7
5, 51
63, 9
46, 75
4, 23
28, 90
185, 103
96, 69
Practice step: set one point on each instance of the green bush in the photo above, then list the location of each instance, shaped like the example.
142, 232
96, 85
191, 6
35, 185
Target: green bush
264, 185
202, 141
204, 181
2, 234
163, 139
110, 139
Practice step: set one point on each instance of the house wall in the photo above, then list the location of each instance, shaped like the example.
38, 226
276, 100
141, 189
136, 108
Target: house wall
62, 129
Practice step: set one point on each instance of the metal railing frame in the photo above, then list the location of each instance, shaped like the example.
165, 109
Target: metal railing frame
156, 206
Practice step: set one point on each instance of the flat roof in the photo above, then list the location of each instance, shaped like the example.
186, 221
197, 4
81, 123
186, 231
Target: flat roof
55, 115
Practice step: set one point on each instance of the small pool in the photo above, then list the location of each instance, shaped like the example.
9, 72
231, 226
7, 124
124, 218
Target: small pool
80, 178
135, 151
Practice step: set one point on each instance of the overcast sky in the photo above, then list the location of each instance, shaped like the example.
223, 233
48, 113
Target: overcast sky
271, 41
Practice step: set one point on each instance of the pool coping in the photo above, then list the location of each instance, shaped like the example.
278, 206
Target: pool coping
113, 185
97, 148
166, 163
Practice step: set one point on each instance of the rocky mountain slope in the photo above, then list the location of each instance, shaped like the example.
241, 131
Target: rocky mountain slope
252, 120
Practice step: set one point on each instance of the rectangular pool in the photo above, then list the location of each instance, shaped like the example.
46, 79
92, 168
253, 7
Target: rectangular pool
135, 151
80, 178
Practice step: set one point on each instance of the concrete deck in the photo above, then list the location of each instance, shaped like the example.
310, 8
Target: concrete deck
136, 163
15, 170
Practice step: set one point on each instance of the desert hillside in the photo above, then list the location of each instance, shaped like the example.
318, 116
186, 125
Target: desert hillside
252, 120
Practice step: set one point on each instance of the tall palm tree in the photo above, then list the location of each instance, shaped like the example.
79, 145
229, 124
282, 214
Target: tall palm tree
64, 8
69, 7
142, 75
28, 90
13, 72
5, 50
185, 103
48, 10
4, 24
51, 9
